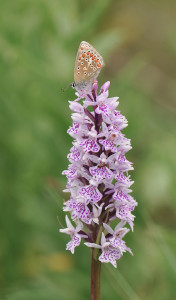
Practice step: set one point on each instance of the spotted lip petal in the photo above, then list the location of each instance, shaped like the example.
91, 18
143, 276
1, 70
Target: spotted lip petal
89, 145
91, 193
75, 242
101, 173
110, 255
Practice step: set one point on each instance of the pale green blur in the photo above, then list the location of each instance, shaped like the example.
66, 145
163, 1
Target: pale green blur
38, 45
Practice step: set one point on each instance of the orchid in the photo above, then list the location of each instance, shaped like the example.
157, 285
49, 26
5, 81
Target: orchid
74, 233
98, 179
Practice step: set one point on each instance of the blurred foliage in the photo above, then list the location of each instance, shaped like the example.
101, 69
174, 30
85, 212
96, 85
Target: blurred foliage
38, 44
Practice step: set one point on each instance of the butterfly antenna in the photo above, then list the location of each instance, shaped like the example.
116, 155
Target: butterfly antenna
65, 88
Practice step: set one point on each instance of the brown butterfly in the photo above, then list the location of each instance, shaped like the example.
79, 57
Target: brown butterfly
87, 66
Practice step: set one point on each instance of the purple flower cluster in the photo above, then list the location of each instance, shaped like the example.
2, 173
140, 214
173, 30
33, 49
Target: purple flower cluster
98, 180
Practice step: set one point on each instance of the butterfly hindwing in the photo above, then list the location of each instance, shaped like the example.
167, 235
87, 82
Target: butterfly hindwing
88, 64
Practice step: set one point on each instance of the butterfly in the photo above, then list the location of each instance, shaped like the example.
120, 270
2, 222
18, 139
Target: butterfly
87, 66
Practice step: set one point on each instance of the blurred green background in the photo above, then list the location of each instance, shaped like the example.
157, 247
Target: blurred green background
38, 45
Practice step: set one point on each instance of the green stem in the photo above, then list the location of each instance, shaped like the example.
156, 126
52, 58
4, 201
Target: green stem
95, 278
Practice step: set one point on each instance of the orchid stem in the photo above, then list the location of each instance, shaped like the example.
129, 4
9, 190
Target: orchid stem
95, 278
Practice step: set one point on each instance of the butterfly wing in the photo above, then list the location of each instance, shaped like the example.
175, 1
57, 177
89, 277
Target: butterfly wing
88, 63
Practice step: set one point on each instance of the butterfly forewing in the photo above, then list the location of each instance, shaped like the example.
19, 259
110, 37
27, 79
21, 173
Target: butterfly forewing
88, 64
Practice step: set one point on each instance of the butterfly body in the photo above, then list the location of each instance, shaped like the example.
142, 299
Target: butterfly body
87, 66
